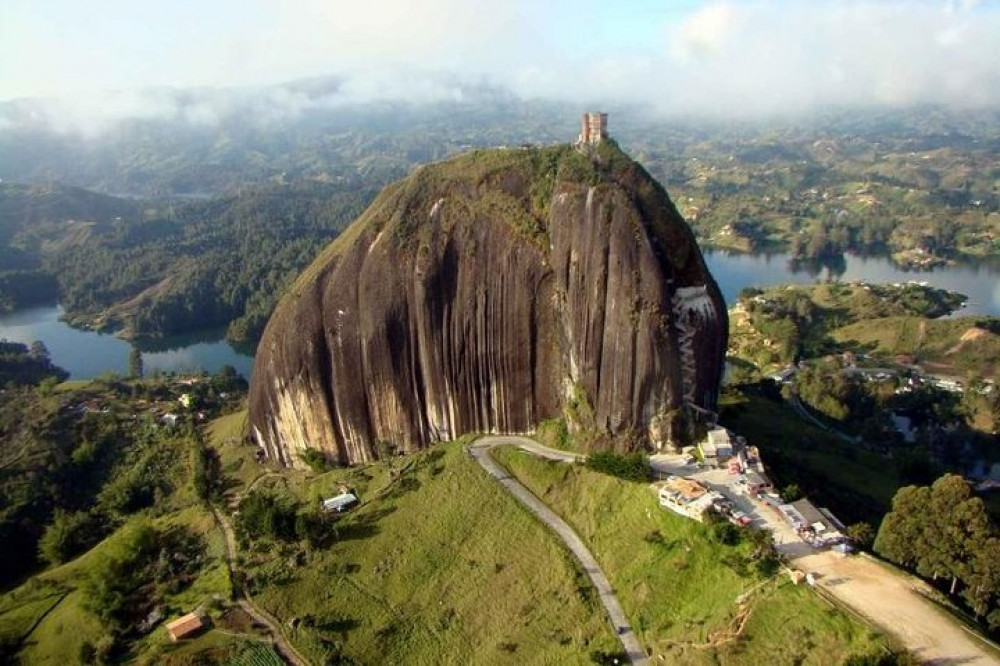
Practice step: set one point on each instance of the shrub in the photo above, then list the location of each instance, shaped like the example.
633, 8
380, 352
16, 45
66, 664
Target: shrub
69, 535
628, 466
862, 534
315, 459
262, 515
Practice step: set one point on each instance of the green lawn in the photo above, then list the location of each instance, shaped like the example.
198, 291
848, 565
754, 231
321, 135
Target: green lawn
682, 590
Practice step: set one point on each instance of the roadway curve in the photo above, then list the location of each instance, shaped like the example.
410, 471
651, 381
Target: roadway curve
480, 451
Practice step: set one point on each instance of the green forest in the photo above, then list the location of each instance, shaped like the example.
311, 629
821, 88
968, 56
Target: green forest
944, 533
168, 268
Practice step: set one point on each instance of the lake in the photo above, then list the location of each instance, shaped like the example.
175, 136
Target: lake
734, 271
86, 354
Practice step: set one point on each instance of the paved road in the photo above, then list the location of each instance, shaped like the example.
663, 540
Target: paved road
285, 649
480, 451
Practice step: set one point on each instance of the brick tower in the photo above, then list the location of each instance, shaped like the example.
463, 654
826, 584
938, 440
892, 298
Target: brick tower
593, 128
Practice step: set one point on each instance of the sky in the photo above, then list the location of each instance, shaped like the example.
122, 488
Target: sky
735, 57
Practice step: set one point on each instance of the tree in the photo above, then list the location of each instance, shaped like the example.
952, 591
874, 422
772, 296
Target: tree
39, 351
207, 470
68, 535
901, 536
315, 459
862, 534
135, 363
115, 578
983, 591
228, 379
790, 493
941, 531
959, 528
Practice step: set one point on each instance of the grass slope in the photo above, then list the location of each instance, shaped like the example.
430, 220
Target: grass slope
438, 565
950, 346
59, 635
681, 590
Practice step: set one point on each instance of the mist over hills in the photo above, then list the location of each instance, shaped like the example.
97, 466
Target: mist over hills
195, 142
199, 171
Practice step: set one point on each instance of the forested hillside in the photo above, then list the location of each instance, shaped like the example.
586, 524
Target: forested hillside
159, 267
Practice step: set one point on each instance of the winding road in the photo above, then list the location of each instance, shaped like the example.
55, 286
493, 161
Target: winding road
284, 647
480, 451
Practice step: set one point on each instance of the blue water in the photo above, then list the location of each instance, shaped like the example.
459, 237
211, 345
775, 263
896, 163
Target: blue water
733, 272
86, 354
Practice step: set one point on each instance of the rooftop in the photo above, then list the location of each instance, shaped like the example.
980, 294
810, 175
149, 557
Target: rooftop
185, 626
685, 490
340, 501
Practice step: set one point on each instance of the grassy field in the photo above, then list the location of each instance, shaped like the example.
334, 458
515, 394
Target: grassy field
683, 592
438, 565
966, 345
53, 607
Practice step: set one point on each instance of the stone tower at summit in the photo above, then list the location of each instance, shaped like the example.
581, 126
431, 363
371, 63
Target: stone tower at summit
593, 127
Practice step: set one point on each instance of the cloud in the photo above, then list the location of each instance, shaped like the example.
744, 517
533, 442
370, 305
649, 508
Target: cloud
91, 114
777, 56
704, 34
736, 58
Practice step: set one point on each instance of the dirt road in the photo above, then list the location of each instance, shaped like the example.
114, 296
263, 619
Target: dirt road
892, 601
285, 649
480, 451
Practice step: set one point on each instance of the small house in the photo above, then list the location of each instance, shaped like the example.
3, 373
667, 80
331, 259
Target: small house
757, 483
186, 627
717, 446
341, 502
686, 496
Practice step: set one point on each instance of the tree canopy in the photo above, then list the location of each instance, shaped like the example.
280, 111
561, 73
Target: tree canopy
943, 531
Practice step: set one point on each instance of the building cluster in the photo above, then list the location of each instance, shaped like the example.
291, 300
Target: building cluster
728, 462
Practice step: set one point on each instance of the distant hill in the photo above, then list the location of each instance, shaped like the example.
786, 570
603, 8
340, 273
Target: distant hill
152, 268
917, 184
35, 219
204, 142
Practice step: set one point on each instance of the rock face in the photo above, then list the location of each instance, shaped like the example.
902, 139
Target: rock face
488, 293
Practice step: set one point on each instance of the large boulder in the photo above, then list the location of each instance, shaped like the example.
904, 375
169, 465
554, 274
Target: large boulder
489, 293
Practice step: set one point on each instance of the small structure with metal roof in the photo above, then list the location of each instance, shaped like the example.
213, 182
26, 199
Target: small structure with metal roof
717, 446
341, 502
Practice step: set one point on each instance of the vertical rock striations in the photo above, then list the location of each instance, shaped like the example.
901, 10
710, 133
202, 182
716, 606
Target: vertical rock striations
488, 293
